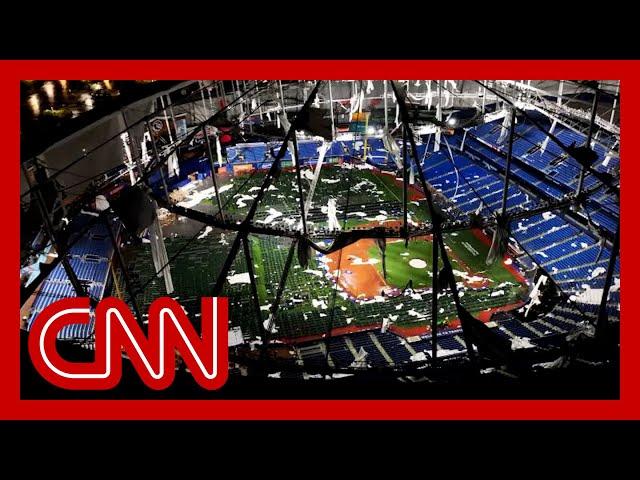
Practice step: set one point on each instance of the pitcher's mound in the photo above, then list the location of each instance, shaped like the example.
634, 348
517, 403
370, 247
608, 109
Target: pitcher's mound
417, 263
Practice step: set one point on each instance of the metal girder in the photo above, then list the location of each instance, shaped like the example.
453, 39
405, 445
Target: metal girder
436, 220
603, 318
594, 111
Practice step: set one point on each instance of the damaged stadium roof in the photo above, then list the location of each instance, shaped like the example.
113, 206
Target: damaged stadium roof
354, 225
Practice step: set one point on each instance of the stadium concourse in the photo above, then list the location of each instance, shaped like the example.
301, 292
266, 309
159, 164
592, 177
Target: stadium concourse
357, 226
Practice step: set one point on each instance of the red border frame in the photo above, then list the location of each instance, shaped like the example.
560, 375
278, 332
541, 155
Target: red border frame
11, 407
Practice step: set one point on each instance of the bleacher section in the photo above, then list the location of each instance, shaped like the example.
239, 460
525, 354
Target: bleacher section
90, 259
472, 180
259, 155
543, 167
575, 258
386, 350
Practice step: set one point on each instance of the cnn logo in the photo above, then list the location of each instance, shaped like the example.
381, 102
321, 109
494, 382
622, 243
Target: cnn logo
116, 330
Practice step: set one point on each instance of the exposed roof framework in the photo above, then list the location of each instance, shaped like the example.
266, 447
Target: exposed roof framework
266, 97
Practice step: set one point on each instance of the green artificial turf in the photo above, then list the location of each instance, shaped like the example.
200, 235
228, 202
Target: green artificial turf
460, 243
258, 263
464, 245
399, 272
